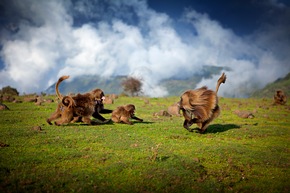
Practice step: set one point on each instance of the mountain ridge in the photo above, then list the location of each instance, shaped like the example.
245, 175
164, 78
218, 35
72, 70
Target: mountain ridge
269, 90
175, 86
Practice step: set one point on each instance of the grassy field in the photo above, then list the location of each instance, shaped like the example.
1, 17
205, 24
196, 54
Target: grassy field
157, 155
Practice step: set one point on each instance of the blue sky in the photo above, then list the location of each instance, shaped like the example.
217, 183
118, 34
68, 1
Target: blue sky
153, 40
240, 16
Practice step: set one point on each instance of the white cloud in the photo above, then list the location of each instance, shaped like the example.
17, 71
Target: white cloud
48, 45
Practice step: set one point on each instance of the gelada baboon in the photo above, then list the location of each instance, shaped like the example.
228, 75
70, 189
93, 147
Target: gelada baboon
71, 108
123, 113
64, 111
280, 98
200, 106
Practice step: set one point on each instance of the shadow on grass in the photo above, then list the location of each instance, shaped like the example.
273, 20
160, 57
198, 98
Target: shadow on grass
94, 123
217, 128
144, 122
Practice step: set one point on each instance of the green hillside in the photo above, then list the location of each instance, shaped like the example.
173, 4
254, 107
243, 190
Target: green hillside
86, 83
174, 85
269, 90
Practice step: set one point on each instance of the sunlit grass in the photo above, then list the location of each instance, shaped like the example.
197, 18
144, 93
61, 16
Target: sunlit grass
158, 155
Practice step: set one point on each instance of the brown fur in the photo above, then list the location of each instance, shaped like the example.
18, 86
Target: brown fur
123, 113
200, 106
63, 112
280, 98
73, 108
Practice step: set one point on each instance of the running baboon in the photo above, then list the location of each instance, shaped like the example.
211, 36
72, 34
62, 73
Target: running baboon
124, 113
82, 106
280, 98
200, 106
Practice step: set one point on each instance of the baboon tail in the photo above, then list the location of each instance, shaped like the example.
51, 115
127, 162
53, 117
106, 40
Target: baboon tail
222, 79
57, 85
68, 101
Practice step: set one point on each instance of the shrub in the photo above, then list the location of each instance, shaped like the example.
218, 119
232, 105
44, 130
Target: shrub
132, 86
9, 91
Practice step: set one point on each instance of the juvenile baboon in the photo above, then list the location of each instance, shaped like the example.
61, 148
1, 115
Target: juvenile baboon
280, 98
200, 106
80, 106
124, 113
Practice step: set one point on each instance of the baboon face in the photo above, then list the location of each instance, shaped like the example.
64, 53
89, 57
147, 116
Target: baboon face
98, 95
130, 108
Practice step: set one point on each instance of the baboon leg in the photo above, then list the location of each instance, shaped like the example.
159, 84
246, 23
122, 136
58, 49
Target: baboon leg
199, 125
105, 111
216, 112
87, 120
64, 120
185, 114
98, 116
187, 120
126, 120
205, 124
115, 119
136, 118
60, 122
54, 116
76, 119
187, 124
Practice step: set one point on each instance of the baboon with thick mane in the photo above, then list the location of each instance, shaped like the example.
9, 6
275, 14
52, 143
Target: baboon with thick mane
280, 98
78, 107
123, 113
200, 106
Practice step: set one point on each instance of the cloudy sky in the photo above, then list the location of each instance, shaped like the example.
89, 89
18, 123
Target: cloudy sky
41, 40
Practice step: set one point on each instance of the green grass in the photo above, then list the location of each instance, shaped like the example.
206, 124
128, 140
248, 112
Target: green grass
158, 155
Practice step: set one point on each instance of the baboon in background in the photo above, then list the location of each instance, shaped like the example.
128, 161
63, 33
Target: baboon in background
280, 98
80, 106
200, 106
124, 113
174, 109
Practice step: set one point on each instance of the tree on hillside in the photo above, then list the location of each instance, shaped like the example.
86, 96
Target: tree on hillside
9, 91
132, 86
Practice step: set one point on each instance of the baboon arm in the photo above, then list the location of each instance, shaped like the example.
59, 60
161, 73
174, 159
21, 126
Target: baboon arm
105, 111
98, 116
136, 118
126, 120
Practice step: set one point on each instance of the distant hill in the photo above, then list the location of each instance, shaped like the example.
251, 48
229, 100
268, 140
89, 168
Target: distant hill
83, 84
269, 90
175, 86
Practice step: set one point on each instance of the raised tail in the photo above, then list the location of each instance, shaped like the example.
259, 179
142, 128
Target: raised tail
68, 101
222, 79
57, 85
